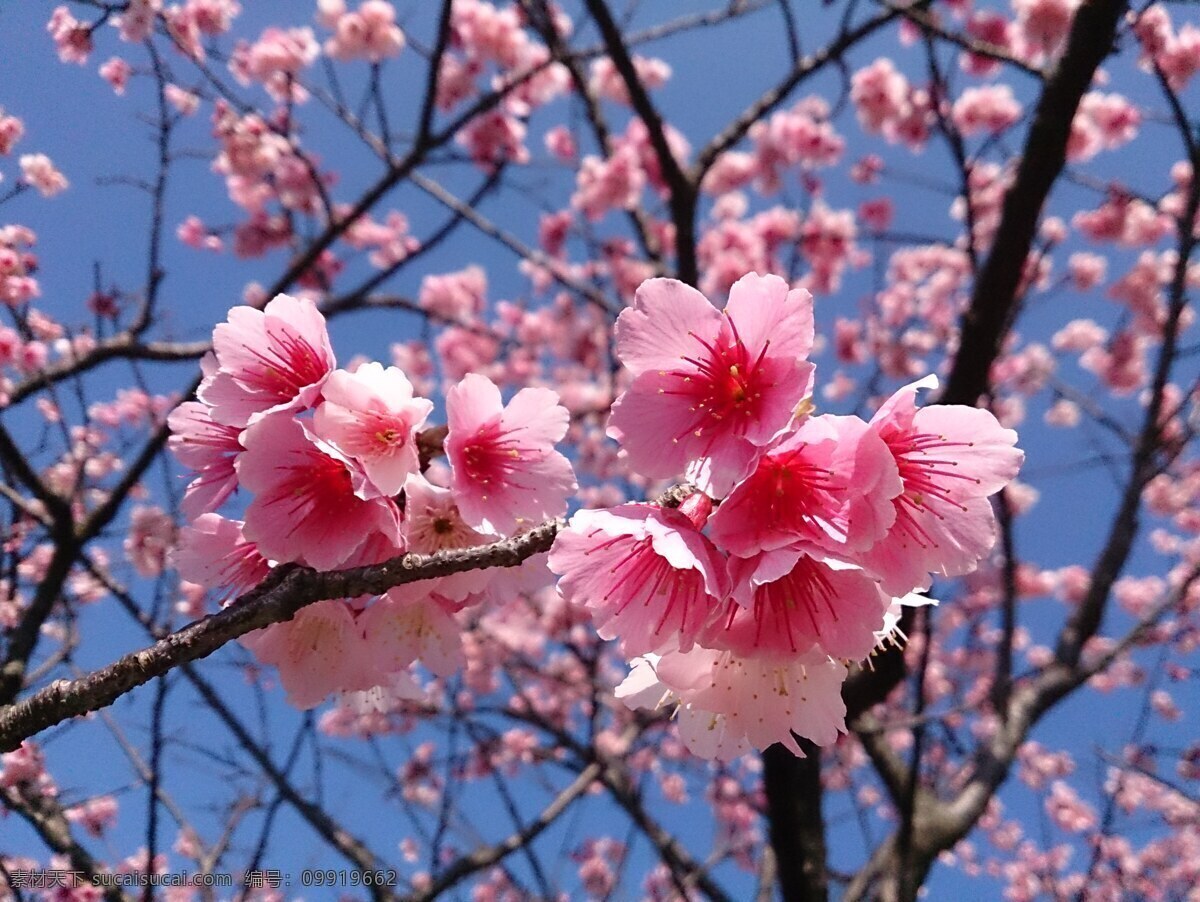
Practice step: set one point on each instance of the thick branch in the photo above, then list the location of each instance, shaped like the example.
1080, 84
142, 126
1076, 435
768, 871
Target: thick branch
793, 790
994, 299
682, 188
993, 306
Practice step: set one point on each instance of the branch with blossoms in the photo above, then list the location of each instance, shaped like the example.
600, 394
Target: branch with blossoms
284, 593
323, 488
743, 605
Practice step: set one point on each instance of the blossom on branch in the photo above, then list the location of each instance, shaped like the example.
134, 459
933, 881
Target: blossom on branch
505, 471
718, 386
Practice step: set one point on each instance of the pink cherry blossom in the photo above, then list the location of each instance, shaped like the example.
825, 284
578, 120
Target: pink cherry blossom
881, 97
195, 234
136, 20
214, 17
95, 815
308, 505
1087, 270
877, 214
116, 72
829, 483
209, 448
786, 602
369, 33
432, 523
991, 28
991, 108
23, 765
11, 131
827, 242
151, 535
605, 81
1042, 25
458, 296
802, 136
72, 38
183, 100
372, 416
614, 183
561, 143
647, 575
505, 471
716, 387
275, 60
214, 552
494, 138
319, 652
730, 704
951, 458
269, 360
38, 171
410, 624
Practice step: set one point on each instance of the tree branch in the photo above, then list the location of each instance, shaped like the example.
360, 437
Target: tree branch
288, 589
994, 298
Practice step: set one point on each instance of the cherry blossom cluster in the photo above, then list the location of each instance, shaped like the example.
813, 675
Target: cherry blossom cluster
805, 532
330, 459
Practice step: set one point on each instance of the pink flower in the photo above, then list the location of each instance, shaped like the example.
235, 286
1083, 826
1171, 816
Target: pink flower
116, 72
308, 505
1042, 25
136, 22
951, 458
880, 94
409, 624
710, 389
370, 33
372, 416
493, 138
72, 38
207, 447
990, 28
214, 552
319, 652
274, 359
787, 601
605, 81
457, 296
95, 815
214, 17
1086, 270
729, 704
38, 171
433, 523
11, 130
609, 184
830, 483
183, 100
504, 469
24, 764
195, 234
561, 143
647, 575
151, 534
275, 59
877, 213
990, 108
